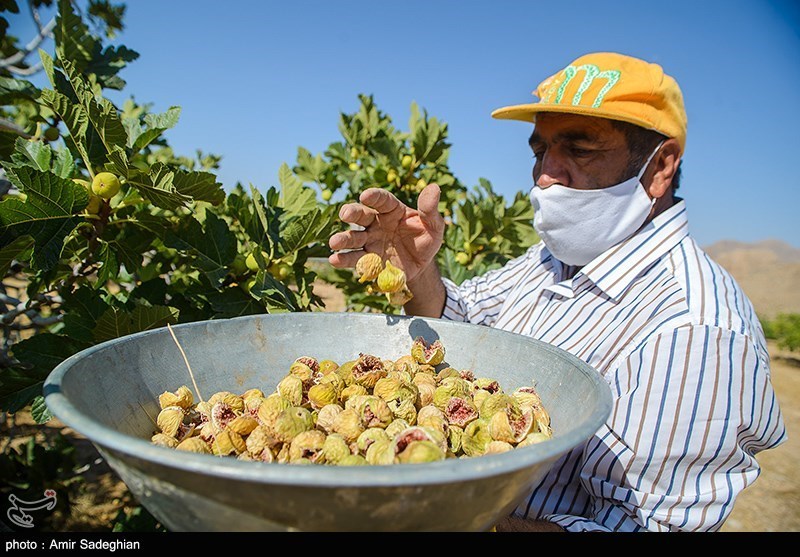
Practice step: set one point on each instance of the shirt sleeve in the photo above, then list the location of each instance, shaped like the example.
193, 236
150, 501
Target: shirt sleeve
480, 299
691, 409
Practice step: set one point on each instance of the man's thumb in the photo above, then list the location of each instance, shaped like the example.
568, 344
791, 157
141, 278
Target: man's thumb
428, 202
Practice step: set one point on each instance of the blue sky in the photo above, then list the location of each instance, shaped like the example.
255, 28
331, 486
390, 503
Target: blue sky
255, 80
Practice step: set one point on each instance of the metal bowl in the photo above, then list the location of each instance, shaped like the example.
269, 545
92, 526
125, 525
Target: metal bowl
106, 393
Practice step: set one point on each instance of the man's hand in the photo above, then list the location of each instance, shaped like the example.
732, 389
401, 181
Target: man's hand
409, 238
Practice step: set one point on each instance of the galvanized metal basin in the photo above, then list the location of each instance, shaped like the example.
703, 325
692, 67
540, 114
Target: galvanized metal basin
106, 393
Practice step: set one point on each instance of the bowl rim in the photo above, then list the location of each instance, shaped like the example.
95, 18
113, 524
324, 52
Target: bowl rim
445, 471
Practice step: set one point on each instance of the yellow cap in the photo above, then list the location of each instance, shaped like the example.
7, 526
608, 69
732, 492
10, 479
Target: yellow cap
610, 85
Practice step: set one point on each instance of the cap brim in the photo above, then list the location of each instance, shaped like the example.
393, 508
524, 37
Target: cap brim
528, 112
523, 112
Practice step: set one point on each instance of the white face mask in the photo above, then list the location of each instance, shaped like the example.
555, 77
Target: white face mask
578, 225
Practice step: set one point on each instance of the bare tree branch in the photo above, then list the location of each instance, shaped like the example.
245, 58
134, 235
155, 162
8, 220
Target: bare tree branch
37, 322
35, 15
9, 300
8, 125
29, 308
26, 71
42, 322
19, 56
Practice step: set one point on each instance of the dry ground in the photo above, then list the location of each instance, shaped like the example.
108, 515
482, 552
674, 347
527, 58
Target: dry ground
772, 503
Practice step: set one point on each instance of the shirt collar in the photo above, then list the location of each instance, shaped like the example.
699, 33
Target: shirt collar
614, 270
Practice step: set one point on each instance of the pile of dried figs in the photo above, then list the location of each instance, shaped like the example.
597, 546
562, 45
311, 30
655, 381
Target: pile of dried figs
367, 411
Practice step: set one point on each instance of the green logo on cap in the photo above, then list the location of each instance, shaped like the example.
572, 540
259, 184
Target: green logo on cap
591, 73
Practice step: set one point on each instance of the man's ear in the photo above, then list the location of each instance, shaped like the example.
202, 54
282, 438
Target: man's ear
664, 167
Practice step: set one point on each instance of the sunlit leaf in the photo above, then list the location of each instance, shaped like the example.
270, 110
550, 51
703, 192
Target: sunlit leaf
35, 154
39, 410
12, 89
106, 65
63, 163
73, 38
74, 42
106, 121
276, 294
301, 231
47, 215
119, 161
296, 199
139, 138
77, 82
73, 116
158, 187
109, 267
261, 223
201, 186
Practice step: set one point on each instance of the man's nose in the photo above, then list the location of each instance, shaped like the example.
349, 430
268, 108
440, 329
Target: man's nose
552, 170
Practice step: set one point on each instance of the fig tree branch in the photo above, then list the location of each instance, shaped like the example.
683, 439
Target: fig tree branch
25, 71
29, 309
35, 15
20, 55
8, 125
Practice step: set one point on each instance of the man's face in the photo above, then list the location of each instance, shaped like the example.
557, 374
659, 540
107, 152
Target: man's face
581, 152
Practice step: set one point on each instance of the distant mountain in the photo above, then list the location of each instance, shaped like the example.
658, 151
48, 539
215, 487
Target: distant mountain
768, 272
783, 251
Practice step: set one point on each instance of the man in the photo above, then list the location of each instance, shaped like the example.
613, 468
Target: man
617, 281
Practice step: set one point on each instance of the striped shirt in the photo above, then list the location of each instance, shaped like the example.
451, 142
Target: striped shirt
684, 354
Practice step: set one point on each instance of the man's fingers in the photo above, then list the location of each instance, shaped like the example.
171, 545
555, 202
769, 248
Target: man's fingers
355, 213
345, 260
428, 202
380, 200
349, 239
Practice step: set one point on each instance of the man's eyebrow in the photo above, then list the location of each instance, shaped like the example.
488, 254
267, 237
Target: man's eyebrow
568, 136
